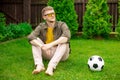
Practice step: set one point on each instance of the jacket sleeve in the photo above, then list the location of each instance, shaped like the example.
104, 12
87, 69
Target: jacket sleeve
34, 34
66, 31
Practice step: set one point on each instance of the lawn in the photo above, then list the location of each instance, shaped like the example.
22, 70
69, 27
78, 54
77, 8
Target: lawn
16, 61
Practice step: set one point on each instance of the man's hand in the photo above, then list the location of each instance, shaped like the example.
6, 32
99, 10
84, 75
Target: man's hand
45, 47
36, 43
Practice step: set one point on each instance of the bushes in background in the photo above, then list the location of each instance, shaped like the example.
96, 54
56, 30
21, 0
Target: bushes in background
12, 31
118, 25
96, 20
65, 12
17, 30
118, 30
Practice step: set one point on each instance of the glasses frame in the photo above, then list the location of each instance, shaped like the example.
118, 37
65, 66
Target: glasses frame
50, 14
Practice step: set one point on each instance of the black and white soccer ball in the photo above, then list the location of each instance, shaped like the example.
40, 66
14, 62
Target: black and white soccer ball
95, 63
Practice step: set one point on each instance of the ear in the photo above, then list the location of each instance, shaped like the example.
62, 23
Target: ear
44, 17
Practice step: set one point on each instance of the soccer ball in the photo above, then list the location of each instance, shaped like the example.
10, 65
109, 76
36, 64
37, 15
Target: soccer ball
95, 63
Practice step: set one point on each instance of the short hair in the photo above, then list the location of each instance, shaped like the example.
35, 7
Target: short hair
46, 8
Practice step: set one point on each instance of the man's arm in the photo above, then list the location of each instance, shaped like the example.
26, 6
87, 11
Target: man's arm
36, 43
59, 41
54, 43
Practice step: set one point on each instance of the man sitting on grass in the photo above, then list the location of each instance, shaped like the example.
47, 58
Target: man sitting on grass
50, 40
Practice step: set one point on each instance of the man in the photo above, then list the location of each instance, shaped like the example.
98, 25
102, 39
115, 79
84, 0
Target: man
50, 40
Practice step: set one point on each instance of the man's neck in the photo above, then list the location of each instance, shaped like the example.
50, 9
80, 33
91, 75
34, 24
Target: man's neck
51, 23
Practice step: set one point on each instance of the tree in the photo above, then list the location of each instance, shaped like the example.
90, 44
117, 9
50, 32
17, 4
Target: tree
65, 12
96, 19
118, 24
119, 9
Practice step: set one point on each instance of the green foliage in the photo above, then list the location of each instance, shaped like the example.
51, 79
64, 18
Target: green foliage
65, 12
118, 30
2, 25
26, 28
2, 22
13, 31
96, 19
119, 7
118, 25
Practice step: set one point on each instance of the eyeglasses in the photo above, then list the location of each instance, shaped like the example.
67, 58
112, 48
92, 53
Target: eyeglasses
50, 14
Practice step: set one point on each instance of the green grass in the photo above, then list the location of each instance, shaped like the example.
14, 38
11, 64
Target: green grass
16, 61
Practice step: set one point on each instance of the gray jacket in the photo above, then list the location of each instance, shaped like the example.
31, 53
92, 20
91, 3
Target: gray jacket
60, 30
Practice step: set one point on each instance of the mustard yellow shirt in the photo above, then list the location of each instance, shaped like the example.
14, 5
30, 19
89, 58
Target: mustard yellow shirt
49, 35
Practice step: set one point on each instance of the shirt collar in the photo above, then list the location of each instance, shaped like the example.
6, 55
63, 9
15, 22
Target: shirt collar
46, 26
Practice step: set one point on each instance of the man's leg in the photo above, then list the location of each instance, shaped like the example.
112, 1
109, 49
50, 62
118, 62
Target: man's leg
37, 56
61, 53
